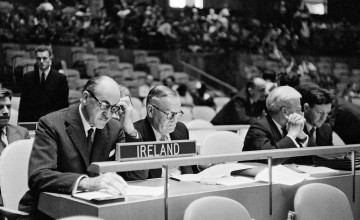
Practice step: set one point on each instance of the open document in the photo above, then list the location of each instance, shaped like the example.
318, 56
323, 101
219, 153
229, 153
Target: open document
218, 174
101, 197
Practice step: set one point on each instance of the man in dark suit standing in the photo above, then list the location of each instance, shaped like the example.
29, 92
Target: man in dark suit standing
44, 90
245, 107
282, 127
69, 140
163, 108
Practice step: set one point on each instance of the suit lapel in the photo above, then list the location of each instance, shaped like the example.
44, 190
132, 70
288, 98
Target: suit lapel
274, 129
149, 133
76, 132
12, 134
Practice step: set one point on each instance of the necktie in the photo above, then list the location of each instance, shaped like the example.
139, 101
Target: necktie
163, 138
42, 81
2, 143
89, 140
156, 173
284, 130
312, 140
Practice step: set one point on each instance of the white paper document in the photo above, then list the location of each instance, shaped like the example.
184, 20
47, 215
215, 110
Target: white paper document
315, 171
282, 175
212, 174
92, 195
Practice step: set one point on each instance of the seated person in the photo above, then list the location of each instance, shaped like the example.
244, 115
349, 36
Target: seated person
144, 89
185, 98
282, 127
69, 140
316, 104
245, 107
161, 124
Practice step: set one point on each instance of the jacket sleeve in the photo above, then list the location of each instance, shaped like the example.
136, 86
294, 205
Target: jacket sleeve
43, 174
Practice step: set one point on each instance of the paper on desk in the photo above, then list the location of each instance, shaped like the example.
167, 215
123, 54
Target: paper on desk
92, 195
234, 180
317, 171
132, 190
214, 172
281, 175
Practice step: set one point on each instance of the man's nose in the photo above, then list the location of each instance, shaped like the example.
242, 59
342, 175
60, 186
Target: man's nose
6, 110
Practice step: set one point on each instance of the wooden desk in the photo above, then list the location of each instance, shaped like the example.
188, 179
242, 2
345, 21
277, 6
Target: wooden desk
253, 196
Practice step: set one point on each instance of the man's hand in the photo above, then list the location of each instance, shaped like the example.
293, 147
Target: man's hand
295, 125
127, 108
110, 182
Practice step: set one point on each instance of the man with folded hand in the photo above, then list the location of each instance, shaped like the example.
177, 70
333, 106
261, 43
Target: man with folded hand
69, 140
282, 127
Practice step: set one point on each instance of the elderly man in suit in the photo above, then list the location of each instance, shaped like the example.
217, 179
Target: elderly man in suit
163, 108
282, 127
246, 106
69, 140
44, 90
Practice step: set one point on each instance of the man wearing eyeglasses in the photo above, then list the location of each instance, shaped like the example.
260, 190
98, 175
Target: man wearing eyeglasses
163, 109
69, 140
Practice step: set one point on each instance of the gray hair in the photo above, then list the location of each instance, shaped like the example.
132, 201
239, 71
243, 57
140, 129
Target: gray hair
159, 92
280, 97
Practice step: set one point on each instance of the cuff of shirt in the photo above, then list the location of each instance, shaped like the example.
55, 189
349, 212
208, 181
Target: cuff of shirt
294, 141
76, 184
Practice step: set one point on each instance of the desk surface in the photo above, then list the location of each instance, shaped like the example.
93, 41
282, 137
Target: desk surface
254, 196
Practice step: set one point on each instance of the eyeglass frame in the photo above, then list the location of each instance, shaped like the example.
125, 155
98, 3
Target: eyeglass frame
173, 114
101, 103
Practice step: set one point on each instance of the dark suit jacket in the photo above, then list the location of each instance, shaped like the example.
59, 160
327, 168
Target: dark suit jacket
323, 138
264, 135
239, 110
147, 134
60, 154
35, 103
15, 133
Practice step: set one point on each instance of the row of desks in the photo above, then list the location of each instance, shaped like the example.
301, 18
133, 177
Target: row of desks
254, 196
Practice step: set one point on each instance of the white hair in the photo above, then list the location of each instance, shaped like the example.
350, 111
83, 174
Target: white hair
280, 97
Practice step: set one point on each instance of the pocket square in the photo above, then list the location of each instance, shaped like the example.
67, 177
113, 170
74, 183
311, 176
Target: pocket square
112, 153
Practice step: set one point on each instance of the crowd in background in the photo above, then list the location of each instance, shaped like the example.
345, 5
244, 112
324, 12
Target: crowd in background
140, 25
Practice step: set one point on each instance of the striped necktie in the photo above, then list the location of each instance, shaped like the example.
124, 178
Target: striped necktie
2, 143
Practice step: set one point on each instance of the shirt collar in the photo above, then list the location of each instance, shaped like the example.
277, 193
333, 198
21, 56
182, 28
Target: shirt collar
46, 72
278, 126
4, 130
85, 123
158, 135
309, 127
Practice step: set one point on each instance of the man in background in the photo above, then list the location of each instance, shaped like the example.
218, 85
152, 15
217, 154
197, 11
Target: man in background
282, 127
44, 90
144, 89
163, 109
245, 107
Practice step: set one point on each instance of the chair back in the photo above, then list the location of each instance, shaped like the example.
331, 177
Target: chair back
80, 217
203, 112
14, 162
187, 116
196, 134
220, 102
214, 208
222, 142
318, 201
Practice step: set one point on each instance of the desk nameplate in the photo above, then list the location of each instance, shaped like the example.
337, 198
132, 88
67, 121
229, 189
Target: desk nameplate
154, 150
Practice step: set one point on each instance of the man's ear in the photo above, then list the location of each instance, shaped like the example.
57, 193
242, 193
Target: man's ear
85, 97
150, 111
306, 107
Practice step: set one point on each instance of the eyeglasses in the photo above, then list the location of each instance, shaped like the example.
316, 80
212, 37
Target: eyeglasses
104, 105
170, 115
